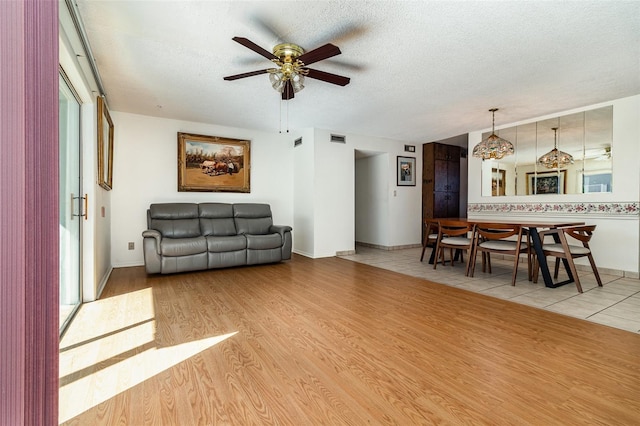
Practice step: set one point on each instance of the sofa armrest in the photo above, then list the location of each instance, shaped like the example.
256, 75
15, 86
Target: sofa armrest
287, 242
152, 251
280, 229
152, 233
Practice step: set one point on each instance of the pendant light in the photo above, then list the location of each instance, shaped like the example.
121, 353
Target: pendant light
493, 147
555, 158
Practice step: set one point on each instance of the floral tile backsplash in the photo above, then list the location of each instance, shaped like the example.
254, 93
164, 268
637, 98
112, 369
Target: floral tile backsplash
614, 209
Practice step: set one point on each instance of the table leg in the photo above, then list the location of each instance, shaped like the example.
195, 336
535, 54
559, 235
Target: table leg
542, 261
433, 255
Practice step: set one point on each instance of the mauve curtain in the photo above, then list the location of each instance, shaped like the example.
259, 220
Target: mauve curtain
29, 212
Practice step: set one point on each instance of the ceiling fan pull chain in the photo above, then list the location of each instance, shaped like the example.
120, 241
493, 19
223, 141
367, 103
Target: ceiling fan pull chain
280, 113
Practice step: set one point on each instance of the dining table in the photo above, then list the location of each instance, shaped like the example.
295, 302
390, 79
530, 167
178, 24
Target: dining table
534, 227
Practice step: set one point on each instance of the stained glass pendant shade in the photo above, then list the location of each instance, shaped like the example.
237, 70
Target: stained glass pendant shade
493, 147
555, 158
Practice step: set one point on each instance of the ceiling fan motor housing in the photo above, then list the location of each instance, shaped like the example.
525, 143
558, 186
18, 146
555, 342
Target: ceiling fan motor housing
288, 52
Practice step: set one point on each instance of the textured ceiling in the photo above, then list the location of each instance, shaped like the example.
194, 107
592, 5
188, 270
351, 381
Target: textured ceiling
420, 71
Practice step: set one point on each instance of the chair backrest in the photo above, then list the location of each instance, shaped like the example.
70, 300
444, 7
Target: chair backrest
430, 228
454, 228
498, 231
581, 233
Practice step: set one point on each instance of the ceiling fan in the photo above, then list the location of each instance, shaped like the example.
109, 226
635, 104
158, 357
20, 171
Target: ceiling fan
292, 62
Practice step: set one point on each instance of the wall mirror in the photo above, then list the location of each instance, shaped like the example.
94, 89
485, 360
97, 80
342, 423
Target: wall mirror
586, 136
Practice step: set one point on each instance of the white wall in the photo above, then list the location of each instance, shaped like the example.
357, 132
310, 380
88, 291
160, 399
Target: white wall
310, 187
334, 193
372, 200
303, 194
145, 172
616, 245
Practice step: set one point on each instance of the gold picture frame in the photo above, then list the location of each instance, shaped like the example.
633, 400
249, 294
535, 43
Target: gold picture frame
213, 164
498, 185
105, 146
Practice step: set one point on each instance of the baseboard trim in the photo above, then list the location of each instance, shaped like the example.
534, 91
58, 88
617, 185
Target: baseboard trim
103, 282
381, 247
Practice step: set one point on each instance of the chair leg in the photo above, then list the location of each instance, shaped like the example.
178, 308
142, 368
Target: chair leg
515, 270
574, 272
472, 260
424, 248
595, 269
466, 271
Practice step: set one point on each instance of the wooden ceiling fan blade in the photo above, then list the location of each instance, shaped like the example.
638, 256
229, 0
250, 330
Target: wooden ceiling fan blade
322, 52
287, 92
328, 77
251, 45
246, 74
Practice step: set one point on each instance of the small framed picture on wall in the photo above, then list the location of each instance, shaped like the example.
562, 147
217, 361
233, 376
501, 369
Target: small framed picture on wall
406, 171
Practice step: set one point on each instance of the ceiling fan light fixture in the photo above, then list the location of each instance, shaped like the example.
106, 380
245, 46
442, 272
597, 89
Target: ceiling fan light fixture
277, 80
555, 158
297, 80
493, 147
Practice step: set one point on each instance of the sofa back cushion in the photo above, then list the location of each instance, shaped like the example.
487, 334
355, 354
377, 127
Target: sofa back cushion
252, 218
174, 220
216, 219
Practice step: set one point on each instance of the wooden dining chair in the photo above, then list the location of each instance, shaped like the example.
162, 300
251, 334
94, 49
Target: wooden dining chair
430, 236
453, 235
499, 238
564, 250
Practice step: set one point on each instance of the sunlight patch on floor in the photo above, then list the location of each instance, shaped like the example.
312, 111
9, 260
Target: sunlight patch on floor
103, 360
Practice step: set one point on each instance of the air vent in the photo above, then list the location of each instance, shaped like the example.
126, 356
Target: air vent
297, 142
338, 139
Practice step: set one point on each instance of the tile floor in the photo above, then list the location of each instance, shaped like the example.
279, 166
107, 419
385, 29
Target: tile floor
616, 304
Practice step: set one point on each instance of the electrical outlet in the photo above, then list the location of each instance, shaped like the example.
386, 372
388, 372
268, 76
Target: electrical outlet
131, 245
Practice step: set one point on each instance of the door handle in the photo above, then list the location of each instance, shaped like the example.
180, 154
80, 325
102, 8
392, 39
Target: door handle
86, 206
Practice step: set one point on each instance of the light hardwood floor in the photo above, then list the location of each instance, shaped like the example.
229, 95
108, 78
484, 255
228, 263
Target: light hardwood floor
330, 341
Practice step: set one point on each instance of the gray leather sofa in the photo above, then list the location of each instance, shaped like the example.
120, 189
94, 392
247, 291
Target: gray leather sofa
189, 237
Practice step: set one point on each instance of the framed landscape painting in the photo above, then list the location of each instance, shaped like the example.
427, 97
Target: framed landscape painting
105, 146
213, 164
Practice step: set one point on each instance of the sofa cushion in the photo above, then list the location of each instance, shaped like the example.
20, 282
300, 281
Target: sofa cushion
263, 242
183, 246
252, 218
219, 244
175, 220
216, 219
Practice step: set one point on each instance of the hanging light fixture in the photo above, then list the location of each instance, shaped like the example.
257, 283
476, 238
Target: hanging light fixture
493, 147
290, 73
555, 158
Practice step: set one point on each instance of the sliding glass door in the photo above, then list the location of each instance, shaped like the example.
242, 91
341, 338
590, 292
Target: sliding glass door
71, 203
